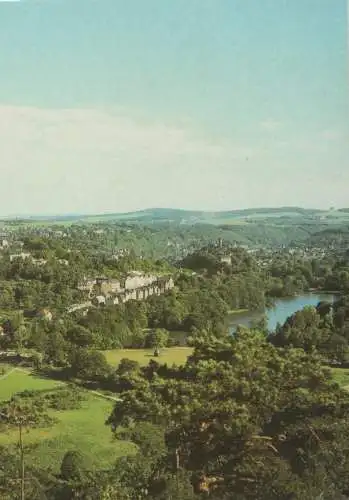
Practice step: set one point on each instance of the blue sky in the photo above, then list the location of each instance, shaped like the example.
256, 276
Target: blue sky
115, 106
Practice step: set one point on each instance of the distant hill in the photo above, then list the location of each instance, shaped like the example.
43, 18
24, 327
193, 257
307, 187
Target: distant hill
334, 234
227, 217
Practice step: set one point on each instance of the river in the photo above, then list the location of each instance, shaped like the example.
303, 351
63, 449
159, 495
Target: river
282, 309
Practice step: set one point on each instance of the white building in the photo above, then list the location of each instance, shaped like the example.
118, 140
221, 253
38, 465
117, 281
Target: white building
22, 256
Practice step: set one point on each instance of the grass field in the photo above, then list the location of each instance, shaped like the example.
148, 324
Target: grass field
17, 380
82, 429
341, 376
173, 355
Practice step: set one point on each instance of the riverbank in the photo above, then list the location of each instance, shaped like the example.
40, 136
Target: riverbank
320, 291
280, 311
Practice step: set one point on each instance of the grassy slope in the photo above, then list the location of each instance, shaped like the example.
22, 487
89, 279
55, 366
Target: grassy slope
174, 355
17, 381
82, 429
341, 376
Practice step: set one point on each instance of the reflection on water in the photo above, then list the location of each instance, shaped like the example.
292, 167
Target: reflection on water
282, 309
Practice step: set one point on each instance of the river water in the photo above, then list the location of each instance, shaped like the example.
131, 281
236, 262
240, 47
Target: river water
282, 309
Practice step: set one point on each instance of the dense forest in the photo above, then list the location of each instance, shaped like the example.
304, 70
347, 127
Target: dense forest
257, 414
208, 285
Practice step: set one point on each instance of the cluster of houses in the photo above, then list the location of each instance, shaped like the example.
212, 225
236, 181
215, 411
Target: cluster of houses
120, 253
38, 262
136, 286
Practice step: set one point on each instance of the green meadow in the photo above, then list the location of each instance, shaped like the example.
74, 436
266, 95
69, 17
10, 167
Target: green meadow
83, 428
18, 379
341, 376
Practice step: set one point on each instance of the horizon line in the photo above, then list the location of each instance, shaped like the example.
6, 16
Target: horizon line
149, 209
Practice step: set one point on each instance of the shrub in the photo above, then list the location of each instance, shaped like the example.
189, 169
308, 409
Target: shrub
74, 466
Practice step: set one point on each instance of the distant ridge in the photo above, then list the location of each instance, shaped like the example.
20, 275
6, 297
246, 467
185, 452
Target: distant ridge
162, 211
184, 216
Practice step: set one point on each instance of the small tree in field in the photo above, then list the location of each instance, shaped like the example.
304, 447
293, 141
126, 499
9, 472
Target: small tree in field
157, 339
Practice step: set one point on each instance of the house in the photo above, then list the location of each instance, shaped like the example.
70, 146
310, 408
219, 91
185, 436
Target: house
45, 314
226, 260
77, 307
132, 295
87, 285
137, 280
22, 256
168, 284
100, 300
110, 286
39, 262
137, 286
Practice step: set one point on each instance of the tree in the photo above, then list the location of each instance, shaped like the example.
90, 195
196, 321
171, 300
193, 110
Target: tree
17, 331
56, 348
20, 414
157, 338
80, 336
89, 365
303, 329
246, 419
73, 466
175, 487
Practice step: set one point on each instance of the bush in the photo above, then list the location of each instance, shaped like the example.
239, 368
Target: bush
74, 466
89, 365
157, 338
66, 399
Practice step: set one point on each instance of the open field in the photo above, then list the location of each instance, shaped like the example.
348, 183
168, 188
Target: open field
173, 355
18, 379
341, 376
218, 221
82, 428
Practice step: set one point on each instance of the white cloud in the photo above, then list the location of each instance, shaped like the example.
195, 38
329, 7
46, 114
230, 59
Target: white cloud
270, 125
88, 160
331, 134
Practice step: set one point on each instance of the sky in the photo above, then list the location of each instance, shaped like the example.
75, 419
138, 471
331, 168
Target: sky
113, 106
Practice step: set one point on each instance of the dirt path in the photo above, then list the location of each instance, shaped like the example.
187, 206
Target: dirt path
13, 370
7, 374
105, 396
